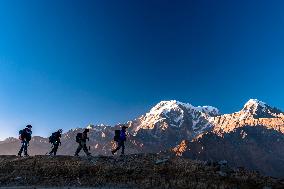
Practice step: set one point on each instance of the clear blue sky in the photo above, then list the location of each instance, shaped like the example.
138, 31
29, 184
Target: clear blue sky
65, 64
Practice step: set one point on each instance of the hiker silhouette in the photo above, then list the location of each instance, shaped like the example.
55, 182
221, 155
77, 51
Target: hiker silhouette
120, 138
25, 136
81, 139
54, 139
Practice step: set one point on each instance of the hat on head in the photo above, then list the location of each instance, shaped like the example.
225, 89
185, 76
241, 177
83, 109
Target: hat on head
86, 130
29, 126
60, 130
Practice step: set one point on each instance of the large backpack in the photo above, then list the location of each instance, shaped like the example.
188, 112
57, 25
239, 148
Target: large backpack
21, 134
116, 135
79, 137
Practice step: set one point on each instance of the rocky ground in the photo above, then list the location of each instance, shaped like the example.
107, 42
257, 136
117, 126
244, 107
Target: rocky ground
131, 171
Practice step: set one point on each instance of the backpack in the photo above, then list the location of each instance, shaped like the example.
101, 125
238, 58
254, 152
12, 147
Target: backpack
52, 138
21, 133
79, 137
116, 135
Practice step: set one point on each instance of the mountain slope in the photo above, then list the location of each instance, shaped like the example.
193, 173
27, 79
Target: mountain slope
256, 148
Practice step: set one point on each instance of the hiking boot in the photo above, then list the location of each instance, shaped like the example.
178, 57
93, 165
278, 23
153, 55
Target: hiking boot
27, 155
52, 154
20, 155
112, 152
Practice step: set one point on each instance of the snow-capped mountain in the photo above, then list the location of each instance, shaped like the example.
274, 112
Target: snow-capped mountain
257, 109
254, 112
252, 137
181, 119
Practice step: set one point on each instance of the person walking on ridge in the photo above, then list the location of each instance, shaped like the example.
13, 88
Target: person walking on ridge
54, 139
25, 136
120, 138
82, 138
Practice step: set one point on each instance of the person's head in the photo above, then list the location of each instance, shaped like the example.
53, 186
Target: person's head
86, 130
29, 127
124, 127
60, 131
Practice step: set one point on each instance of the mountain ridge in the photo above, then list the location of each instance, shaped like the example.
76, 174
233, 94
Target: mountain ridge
157, 171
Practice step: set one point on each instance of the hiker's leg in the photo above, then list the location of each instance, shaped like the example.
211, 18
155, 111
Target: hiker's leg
21, 149
123, 147
118, 147
52, 150
78, 149
85, 148
25, 148
55, 148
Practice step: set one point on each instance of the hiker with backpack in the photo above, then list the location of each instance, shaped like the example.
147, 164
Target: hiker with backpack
120, 138
82, 138
54, 139
25, 136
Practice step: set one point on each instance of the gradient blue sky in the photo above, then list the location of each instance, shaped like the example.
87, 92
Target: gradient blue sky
65, 64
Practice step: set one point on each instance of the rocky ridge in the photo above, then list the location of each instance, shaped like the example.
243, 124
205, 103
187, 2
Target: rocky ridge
132, 171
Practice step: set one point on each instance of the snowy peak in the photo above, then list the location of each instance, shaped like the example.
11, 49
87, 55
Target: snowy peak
173, 115
254, 104
164, 107
258, 109
254, 113
176, 112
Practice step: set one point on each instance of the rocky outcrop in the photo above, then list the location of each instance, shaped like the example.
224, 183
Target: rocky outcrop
180, 149
133, 171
